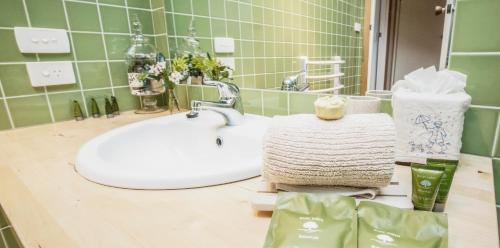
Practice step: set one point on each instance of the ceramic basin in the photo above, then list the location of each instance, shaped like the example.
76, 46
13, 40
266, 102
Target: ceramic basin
174, 152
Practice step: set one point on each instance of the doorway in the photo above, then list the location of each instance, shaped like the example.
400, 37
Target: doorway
407, 35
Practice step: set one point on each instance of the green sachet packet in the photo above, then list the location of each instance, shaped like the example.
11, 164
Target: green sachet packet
425, 183
382, 226
304, 220
449, 166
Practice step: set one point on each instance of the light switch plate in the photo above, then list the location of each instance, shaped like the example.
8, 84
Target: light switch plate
223, 45
41, 40
50, 73
357, 27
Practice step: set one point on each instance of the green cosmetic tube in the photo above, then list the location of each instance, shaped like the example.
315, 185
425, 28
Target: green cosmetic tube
449, 166
425, 185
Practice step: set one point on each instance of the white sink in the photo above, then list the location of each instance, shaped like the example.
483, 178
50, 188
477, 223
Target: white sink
174, 152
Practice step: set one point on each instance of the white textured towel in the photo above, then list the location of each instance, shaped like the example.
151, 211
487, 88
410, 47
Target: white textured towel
357, 150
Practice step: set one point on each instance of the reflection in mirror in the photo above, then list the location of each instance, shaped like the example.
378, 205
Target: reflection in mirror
295, 45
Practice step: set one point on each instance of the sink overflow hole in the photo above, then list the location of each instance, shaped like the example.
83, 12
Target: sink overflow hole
218, 141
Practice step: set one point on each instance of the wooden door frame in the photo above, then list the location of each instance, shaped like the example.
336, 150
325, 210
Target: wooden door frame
366, 48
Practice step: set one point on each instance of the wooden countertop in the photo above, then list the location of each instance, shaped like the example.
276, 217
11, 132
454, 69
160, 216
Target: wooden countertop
51, 206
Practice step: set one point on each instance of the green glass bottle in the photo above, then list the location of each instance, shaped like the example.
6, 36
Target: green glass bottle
114, 104
77, 111
96, 113
108, 108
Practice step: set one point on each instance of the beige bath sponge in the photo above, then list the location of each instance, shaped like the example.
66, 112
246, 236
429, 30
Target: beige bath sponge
330, 107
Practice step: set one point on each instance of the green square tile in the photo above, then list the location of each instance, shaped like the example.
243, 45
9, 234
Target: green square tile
496, 177
275, 103
3, 219
217, 8
4, 121
114, 19
139, 4
162, 45
88, 46
302, 103
9, 51
473, 26
206, 45
15, 81
119, 72
29, 111
483, 79
99, 96
94, 75
46, 19
210, 93
245, 12
83, 17
182, 24
182, 6
247, 28
202, 26
200, 7
11, 238
181, 94
114, 2
145, 19
126, 101
159, 22
117, 45
252, 101
479, 131
232, 10
194, 93
233, 29
62, 105
497, 152
12, 13
155, 4
386, 107
218, 28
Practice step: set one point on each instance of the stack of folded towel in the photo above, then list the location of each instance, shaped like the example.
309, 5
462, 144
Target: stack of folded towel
357, 150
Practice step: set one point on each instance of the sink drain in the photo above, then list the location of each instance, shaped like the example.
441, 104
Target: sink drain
218, 142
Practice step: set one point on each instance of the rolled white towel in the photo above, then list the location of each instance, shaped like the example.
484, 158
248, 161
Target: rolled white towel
357, 150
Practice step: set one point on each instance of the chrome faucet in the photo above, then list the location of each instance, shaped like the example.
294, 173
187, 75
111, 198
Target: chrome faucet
229, 104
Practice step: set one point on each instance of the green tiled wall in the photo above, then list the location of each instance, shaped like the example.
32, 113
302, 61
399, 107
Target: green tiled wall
270, 35
99, 34
475, 51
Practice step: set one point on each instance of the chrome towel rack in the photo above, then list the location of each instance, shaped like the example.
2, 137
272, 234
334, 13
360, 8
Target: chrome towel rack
335, 73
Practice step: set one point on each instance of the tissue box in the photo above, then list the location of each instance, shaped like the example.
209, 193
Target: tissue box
428, 125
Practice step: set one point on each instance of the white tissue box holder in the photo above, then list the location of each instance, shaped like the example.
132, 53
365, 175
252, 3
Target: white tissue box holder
428, 125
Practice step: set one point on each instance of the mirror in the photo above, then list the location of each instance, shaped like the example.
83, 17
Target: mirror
312, 46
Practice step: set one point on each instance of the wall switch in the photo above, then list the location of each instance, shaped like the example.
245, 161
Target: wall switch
227, 61
357, 27
41, 40
50, 73
223, 45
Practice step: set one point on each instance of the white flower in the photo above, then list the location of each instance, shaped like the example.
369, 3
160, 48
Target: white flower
157, 68
175, 77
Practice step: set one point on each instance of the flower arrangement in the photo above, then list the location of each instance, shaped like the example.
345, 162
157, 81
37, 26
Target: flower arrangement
180, 69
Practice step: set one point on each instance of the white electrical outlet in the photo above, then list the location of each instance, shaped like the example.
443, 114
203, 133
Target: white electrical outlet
227, 61
50, 73
41, 40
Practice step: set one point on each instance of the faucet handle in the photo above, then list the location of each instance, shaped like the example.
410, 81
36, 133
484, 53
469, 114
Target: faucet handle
227, 91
